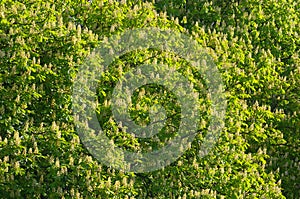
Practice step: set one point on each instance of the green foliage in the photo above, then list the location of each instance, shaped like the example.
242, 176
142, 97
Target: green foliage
255, 46
261, 40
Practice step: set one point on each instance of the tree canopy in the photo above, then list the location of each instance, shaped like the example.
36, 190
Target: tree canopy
255, 46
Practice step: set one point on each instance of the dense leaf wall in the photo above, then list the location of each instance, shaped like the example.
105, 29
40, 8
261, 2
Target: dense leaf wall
255, 46
264, 47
